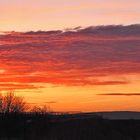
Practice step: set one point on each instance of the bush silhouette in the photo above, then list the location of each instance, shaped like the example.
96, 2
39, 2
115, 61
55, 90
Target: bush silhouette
40, 109
10, 103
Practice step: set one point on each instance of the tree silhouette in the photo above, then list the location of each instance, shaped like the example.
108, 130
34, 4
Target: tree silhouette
12, 104
40, 109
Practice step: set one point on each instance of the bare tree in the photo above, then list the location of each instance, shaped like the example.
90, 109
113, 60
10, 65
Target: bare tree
40, 109
11, 103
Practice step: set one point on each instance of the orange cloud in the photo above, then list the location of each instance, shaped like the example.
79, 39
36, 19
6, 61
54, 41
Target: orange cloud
12, 86
72, 58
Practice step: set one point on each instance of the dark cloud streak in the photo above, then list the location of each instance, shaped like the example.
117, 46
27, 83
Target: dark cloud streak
120, 94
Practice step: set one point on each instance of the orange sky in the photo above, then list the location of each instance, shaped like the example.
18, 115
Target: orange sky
91, 69
82, 69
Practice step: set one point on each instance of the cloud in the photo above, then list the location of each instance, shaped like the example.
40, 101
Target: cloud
50, 102
133, 29
71, 58
112, 30
13, 86
43, 32
120, 94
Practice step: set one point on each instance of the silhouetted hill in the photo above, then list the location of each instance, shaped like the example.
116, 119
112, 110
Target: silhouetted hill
115, 115
89, 126
120, 115
80, 126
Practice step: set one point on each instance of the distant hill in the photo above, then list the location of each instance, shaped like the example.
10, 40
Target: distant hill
120, 115
78, 126
115, 115
89, 126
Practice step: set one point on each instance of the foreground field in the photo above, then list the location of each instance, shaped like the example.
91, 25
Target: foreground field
66, 127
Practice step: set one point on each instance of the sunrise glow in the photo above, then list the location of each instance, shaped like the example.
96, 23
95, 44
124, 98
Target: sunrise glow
73, 71
72, 55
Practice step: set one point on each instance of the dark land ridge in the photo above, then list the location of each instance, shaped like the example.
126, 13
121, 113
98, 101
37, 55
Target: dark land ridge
61, 126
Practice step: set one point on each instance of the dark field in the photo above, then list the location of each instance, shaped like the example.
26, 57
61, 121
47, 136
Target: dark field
66, 127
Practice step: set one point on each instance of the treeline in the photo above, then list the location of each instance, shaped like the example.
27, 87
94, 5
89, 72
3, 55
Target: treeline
20, 121
10, 103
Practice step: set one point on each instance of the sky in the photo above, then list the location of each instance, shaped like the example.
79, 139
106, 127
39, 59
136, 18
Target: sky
25, 15
85, 69
72, 55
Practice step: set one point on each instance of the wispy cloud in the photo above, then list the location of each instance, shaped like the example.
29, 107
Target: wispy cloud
50, 102
120, 94
112, 30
